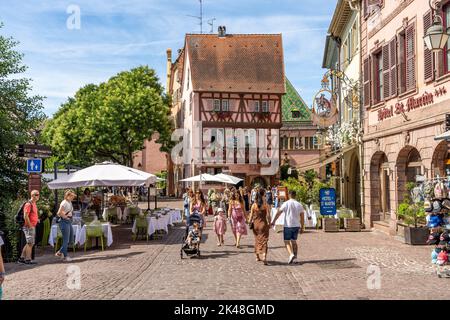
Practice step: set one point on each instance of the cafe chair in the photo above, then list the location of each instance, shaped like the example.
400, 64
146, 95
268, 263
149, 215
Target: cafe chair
141, 227
93, 232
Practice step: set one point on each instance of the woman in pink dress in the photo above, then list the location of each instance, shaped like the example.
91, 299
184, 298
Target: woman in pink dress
220, 226
236, 212
199, 205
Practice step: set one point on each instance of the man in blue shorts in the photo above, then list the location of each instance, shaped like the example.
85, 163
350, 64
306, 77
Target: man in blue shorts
294, 222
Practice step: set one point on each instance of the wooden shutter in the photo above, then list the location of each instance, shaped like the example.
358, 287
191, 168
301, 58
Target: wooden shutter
410, 57
386, 72
428, 55
375, 87
402, 63
393, 66
366, 82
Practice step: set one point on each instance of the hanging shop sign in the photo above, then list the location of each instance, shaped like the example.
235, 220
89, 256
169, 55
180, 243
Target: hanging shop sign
324, 112
411, 104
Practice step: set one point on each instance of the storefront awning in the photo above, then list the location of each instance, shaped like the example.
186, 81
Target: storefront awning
323, 161
443, 136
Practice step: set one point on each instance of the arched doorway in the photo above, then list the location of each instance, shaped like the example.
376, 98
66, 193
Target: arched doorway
439, 160
380, 202
353, 190
259, 181
409, 165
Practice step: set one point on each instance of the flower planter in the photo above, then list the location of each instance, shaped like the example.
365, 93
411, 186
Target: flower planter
330, 225
352, 224
416, 236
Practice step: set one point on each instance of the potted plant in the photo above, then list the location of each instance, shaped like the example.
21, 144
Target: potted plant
412, 215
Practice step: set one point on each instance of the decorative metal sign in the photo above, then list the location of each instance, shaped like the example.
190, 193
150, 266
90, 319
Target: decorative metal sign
324, 112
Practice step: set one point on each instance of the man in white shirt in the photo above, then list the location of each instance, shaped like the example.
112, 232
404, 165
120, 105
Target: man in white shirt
294, 221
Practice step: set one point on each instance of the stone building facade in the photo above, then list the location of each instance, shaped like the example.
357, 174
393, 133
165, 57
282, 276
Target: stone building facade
405, 101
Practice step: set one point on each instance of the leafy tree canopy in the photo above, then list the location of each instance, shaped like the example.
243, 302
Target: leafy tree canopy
112, 120
20, 115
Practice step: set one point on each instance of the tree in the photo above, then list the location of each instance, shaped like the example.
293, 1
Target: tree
111, 121
20, 113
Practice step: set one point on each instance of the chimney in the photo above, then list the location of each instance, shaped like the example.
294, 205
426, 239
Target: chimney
222, 31
169, 69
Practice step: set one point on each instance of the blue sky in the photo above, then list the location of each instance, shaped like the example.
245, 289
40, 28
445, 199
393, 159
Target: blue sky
117, 35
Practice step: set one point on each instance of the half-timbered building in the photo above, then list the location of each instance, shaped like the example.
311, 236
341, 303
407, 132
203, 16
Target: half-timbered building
230, 96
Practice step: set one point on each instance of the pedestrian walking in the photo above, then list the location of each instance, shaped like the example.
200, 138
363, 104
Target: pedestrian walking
294, 222
186, 201
237, 215
2, 267
30, 214
220, 226
245, 197
259, 221
65, 213
269, 198
199, 205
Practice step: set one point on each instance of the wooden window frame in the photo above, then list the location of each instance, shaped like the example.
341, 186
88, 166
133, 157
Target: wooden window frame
216, 103
227, 103
267, 109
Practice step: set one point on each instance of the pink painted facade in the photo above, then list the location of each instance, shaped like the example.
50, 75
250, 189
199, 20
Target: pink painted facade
402, 118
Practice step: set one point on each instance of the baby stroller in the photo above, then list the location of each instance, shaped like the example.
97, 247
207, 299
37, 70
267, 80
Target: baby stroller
194, 248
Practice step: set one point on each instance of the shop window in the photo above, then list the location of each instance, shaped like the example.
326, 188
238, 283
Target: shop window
291, 143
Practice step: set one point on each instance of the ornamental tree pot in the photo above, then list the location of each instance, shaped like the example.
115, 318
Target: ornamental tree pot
416, 236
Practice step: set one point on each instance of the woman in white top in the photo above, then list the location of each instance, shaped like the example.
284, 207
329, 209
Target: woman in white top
65, 223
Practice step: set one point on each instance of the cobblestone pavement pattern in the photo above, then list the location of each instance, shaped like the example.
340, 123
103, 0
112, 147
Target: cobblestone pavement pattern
332, 266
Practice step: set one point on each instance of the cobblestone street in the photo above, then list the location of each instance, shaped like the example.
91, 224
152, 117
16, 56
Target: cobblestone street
332, 266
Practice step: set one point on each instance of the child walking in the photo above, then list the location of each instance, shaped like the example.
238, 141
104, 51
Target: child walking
220, 226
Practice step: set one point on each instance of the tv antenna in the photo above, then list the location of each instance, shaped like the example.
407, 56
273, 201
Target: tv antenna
199, 17
211, 23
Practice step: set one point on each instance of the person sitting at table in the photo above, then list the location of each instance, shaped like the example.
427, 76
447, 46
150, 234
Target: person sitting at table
86, 199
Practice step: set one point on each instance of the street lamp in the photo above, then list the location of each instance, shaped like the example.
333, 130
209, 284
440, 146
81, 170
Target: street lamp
435, 37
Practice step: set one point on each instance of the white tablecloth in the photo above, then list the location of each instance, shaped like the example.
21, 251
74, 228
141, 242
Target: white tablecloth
176, 216
54, 234
107, 232
105, 213
156, 224
127, 211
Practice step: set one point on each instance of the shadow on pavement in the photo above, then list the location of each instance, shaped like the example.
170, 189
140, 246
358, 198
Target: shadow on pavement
337, 262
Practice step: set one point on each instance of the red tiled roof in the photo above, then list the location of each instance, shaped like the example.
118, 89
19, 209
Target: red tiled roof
236, 63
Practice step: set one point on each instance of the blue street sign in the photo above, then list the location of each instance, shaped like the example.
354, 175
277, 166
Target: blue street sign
34, 165
327, 202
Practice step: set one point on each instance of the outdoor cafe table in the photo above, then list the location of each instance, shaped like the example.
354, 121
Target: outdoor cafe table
175, 216
54, 234
105, 213
107, 232
154, 224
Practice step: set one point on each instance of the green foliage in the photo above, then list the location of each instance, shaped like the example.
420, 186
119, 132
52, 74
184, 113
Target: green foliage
20, 114
12, 229
411, 214
307, 188
112, 120
162, 175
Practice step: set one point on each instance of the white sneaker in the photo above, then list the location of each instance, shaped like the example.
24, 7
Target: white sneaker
67, 259
291, 258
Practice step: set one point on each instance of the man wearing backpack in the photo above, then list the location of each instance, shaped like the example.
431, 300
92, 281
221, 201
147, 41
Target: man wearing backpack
30, 215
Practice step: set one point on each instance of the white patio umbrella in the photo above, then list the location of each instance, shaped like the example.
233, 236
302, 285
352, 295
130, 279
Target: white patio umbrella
204, 177
228, 179
105, 174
